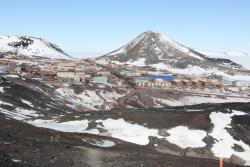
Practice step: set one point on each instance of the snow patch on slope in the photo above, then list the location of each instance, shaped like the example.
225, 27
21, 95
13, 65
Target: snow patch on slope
87, 98
126, 131
196, 70
27, 102
1, 90
139, 62
192, 100
224, 141
123, 130
4, 103
71, 126
108, 96
185, 137
19, 113
167, 41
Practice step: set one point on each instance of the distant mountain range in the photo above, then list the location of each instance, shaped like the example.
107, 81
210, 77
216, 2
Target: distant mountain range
236, 56
30, 47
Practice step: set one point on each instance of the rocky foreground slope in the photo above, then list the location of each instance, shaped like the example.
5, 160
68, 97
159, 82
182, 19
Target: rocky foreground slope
170, 135
24, 145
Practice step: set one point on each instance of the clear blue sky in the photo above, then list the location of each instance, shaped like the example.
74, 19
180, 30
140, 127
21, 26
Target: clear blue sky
99, 26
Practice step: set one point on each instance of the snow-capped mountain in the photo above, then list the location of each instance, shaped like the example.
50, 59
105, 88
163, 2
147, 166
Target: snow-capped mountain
152, 48
155, 50
30, 47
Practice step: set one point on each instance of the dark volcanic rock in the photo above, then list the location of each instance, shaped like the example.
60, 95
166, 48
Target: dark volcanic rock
236, 160
25, 145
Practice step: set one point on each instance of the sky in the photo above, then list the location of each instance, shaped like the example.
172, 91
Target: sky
94, 27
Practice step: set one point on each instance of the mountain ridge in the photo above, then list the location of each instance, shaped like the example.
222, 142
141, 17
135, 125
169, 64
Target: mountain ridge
30, 47
240, 57
155, 48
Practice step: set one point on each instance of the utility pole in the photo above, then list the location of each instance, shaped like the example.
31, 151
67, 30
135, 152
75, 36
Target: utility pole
221, 162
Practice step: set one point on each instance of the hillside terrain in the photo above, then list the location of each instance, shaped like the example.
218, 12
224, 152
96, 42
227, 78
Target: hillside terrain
158, 51
153, 102
30, 47
160, 130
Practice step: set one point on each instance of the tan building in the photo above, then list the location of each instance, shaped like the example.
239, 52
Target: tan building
107, 73
110, 104
151, 84
209, 82
67, 64
161, 83
177, 82
214, 82
142, 72
80, 74
65, 74
187, 82
119, 83
197, 82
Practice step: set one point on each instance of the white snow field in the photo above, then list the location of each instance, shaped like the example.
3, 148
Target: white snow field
70, 126
185, 137
88, 98
224, 141
126, 131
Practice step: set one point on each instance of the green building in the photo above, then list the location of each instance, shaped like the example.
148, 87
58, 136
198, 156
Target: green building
100, 80
128, 73
77, 78
227, 83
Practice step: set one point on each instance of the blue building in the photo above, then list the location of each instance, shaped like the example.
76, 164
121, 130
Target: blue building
163, 77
